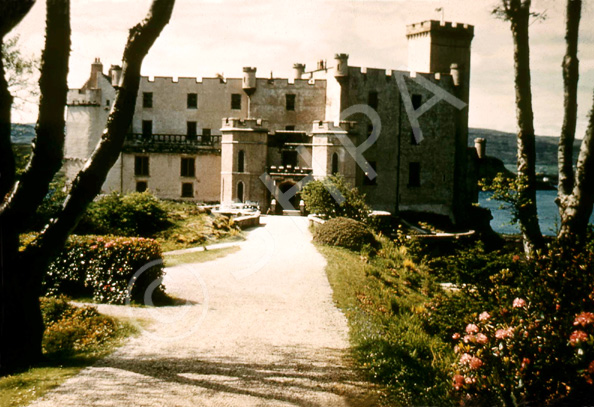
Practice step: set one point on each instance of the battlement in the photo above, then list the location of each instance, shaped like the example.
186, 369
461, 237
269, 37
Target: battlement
234, 123
437, 27
321, 126
389, 75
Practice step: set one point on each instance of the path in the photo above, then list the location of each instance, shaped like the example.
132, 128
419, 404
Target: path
261, 330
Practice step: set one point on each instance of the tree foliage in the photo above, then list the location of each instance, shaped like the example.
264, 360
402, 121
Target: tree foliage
333, 197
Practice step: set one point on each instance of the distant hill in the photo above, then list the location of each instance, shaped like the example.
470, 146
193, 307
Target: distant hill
504, 146
22, 133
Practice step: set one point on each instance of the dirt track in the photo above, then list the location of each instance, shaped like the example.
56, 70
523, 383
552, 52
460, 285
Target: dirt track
260, 329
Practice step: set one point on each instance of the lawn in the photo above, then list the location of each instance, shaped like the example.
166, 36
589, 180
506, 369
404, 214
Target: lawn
198, 256
383, 298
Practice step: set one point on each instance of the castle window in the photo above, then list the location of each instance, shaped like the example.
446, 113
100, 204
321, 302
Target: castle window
417, 101
414, 174
206, 136
107, 102
290, 102
236, 101
188, 167
187, 190
240, 191
366, 179
147, 128
147, 99
191, 130
141, 186
141, 166
289, 128
372, 100
241, 161
334, 163
192, 101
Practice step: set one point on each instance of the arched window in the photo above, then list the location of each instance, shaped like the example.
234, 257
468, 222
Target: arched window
241, 161
334, 163
240, 191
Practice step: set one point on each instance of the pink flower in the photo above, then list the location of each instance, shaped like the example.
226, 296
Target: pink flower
471, 329
578, 336
475, 363
482, 338
584, 318
458, 381
469, 380
519, 303
456, 336
468, 338
484, 316
504, 333
465, 359
471, 361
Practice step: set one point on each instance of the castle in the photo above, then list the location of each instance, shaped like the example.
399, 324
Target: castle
251, 138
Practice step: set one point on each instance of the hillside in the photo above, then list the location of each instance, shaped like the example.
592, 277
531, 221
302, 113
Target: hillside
503, 146
22, 133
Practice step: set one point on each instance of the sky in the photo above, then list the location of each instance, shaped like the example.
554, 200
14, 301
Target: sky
206, 37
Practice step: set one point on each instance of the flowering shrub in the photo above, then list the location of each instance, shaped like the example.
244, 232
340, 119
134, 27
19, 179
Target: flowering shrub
102, 267
69, 329
533, 342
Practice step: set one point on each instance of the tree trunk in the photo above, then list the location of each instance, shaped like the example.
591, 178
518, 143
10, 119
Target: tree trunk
20, 323
571, 73
21, 326
527, 212
577, 207
575, 190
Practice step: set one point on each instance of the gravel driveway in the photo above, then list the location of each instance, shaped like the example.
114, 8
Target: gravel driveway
259, 329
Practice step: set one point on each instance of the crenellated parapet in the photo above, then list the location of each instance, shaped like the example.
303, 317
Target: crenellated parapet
325, 127
234, 123
433, 26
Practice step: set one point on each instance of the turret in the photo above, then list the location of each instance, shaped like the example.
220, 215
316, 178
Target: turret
249, 80
298, 70
342, 65
115, 72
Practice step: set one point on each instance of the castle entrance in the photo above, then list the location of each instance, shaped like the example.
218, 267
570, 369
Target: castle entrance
284, 187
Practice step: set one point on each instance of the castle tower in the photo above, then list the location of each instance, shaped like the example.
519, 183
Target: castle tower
444, 47
329, 156
434, 46
243, 161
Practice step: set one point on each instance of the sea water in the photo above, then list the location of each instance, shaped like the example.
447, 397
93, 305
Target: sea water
548, 213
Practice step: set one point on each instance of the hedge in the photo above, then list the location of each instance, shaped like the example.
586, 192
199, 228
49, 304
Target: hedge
102, 267
344, 232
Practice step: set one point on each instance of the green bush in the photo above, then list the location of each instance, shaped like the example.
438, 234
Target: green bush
70, 329
102, 267
344, 232
136, 214
320, 198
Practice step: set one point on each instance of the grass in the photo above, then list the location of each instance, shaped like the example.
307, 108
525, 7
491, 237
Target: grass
22, 388
199, 256
383, 298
